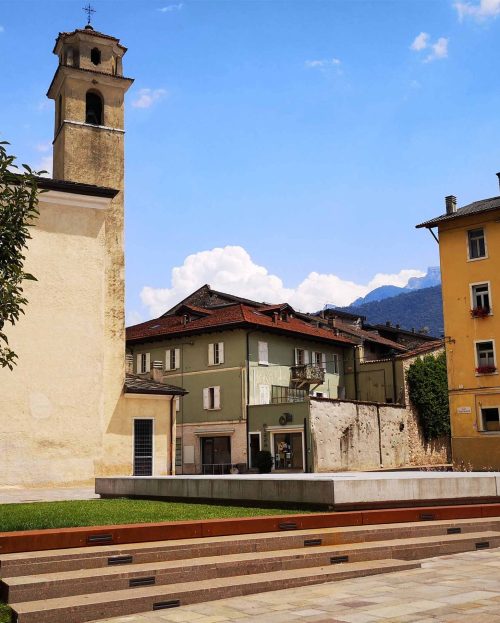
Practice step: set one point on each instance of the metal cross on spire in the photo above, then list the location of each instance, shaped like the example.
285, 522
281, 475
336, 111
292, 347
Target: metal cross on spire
89, 10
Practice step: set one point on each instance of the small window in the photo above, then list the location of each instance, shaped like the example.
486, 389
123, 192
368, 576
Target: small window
143, 363
485, 353
335, 366
481, 298
178, 452
263, 354
301, 357
216, 354
491, 418
95, 56
477, 244
93, 108
172, 359
319, 360
211, 398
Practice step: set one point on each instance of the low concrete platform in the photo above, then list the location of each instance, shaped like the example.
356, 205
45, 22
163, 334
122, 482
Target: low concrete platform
345, 490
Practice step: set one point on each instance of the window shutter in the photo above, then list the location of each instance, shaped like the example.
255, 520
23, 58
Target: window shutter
138, 369
216, 397
306, 357
264, 396
313, 358
210, 354
177, 358
263, 353
323, 361
221, 352
206, 404
167, 360
296, 356
148, 362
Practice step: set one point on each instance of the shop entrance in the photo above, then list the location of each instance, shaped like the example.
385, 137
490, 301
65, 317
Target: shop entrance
288, 451
216, 455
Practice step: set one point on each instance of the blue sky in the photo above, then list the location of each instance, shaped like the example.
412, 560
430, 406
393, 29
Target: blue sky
278, 149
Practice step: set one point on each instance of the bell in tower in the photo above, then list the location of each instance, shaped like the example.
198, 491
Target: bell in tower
88, 89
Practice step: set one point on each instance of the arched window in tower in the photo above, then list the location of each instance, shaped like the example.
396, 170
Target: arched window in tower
95, 56
59, 112
94, 108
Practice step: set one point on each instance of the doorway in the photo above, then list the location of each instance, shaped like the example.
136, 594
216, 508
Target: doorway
254, 442
143, 447
216, 455
288, 451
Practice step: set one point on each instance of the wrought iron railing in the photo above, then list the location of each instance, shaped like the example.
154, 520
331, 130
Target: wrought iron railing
308, 373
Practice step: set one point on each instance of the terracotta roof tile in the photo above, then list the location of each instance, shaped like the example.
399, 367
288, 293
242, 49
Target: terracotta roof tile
427, 347
135, 384
228, 317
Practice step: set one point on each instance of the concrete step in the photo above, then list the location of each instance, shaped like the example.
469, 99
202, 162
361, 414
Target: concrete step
92, 607
63, 584
32, 563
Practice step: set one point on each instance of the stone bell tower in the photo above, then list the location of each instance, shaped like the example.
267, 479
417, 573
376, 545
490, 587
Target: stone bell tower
88, 89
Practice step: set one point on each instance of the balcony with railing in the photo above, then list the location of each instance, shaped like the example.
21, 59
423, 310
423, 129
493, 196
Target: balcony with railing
282, 395
307, 374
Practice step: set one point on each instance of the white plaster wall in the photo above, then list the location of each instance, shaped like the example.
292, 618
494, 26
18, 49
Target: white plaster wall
346, 436
51, 404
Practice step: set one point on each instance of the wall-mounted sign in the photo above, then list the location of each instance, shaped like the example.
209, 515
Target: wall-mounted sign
464, 410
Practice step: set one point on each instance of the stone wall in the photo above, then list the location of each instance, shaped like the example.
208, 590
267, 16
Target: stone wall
348, 435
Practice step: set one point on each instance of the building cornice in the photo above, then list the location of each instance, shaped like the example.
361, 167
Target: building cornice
74, 200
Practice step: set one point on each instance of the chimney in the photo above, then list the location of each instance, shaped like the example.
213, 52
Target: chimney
451, 204
129, 363
498, 175
275, 317
157, 371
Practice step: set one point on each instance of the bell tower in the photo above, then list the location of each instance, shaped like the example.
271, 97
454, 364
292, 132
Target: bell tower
89, 89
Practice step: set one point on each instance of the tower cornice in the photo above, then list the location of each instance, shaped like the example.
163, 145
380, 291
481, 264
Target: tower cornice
64, 71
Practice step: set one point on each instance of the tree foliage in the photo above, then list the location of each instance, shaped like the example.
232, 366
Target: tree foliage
18, 209
428, 390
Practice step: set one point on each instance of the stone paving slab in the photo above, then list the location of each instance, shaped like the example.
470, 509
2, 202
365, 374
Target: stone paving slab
461, 588
20, 495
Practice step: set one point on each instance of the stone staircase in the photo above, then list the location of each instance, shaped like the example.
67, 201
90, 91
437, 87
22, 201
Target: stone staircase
92, 583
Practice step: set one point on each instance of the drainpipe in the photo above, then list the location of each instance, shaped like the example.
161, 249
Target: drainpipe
394, 388
356, 392
306, 454
247, 398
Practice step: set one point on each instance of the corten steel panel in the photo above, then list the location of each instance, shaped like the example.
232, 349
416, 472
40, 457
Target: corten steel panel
37, 540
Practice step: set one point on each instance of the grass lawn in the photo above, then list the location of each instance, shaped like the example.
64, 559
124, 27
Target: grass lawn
4, 613
40, 515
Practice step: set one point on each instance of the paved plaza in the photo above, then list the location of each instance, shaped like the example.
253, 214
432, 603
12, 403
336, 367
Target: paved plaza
462, 588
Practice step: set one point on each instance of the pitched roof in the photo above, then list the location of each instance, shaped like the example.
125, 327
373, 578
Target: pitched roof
477, 207
227, 317
135, 384
428, 347
48, 183
370, 336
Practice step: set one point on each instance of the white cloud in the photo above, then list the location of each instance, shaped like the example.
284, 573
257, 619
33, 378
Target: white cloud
324, 63
420, 42
439, 50
171, 7
44, 147
481, 11
147, 97
45, 164
134, 317
436, 50
231, 269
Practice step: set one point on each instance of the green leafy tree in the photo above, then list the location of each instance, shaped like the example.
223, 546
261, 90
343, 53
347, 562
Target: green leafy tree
428, 390
18, 210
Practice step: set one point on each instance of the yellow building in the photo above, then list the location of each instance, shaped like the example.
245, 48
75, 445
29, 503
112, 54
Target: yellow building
469, 246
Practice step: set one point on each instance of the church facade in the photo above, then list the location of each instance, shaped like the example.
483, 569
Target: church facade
68, 411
